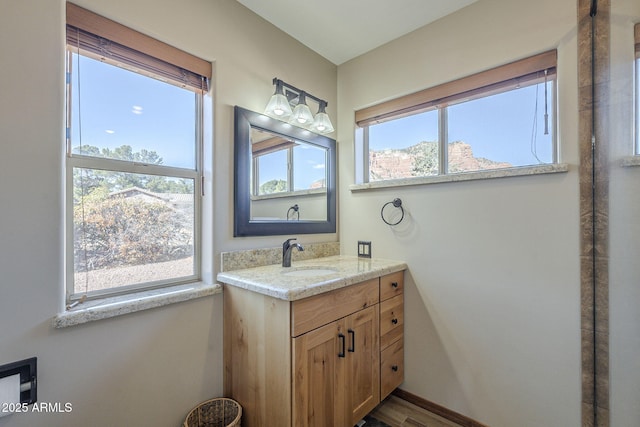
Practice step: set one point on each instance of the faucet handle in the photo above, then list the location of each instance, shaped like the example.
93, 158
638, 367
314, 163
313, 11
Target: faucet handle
287, 243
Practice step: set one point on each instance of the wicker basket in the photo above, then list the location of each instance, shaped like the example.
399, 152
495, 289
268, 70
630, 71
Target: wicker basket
219, 412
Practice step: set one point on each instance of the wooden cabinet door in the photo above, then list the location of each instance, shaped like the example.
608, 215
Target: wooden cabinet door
363, 363
319, 398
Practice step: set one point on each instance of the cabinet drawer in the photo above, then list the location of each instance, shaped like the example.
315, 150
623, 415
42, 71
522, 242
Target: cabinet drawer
391, 285
391, 368
311, 313
391, 318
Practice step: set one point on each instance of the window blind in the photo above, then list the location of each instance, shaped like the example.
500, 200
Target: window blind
109, 41
516, 74
271, 145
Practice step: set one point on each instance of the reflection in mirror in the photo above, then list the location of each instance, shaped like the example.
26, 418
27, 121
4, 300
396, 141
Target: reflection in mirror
289, 179
285, 178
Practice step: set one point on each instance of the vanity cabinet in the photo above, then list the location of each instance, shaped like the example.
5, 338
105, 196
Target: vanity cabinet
321, 361
391, 332
337, 366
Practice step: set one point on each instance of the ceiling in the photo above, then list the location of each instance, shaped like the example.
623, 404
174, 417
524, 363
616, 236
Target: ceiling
340, 30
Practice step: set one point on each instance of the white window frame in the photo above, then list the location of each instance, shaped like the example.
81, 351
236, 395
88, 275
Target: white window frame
256, 175
78, 17
498, 80
112, 165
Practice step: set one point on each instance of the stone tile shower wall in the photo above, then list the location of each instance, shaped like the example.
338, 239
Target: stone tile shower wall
594, 210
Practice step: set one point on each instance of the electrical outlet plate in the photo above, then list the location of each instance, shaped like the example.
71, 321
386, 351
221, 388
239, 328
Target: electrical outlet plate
364, 249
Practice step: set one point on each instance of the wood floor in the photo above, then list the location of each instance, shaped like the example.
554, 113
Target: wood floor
400, 413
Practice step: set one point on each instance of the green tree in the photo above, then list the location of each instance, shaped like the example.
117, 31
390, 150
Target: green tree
86, 181
124, 152
273, 186
425, 156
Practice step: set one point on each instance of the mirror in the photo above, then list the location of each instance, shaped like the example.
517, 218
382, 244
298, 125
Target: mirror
285, 178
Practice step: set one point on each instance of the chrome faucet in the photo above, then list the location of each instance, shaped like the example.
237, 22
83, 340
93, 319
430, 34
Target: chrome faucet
287, 246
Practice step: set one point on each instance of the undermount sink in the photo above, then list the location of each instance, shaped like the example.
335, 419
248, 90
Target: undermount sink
309, 272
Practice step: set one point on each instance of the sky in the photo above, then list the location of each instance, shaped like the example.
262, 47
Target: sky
137, 111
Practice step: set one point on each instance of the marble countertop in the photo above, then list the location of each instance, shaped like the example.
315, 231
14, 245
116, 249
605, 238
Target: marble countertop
272, 280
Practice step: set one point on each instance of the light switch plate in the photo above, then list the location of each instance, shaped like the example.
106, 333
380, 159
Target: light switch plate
364, 249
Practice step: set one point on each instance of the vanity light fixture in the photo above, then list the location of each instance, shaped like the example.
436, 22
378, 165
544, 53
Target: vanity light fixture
287, 97
322, 123
278, 106
301, 113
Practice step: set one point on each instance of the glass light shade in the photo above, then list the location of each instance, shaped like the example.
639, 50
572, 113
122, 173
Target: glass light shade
301, 115
278, 107
322, 123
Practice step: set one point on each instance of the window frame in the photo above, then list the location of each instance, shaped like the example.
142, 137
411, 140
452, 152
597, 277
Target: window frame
501, 79
256, 175
151, 57
291, 164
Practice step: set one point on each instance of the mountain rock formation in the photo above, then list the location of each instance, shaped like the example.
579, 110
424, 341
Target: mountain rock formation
422, 160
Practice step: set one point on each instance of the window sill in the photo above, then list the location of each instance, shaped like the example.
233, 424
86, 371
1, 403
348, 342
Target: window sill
106, 308
631, 161
297, 193
467, 176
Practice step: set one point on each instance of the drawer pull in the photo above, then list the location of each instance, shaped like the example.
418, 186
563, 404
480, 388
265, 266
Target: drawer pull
352, 348
394, 284
394, 368
394, 321
341, 338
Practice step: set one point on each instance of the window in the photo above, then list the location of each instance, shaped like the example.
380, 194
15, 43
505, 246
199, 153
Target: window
272, 173
134, 175
282, 165
500, 118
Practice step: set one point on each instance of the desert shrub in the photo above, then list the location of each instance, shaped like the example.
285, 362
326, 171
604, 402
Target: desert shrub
112, 232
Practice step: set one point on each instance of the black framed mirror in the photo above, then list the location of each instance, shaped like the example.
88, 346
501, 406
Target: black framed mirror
285, 178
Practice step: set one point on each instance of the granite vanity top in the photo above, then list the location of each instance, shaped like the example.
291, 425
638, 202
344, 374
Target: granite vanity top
276, 281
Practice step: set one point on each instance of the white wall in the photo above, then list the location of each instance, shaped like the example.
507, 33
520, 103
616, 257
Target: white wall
624, 207
492, 321
310, 207
493, 291
151, 367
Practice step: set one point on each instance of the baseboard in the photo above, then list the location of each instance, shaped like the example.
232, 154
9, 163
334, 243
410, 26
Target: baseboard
437, 409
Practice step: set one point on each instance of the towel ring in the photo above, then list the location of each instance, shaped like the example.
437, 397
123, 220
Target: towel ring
296, 210
397, 203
